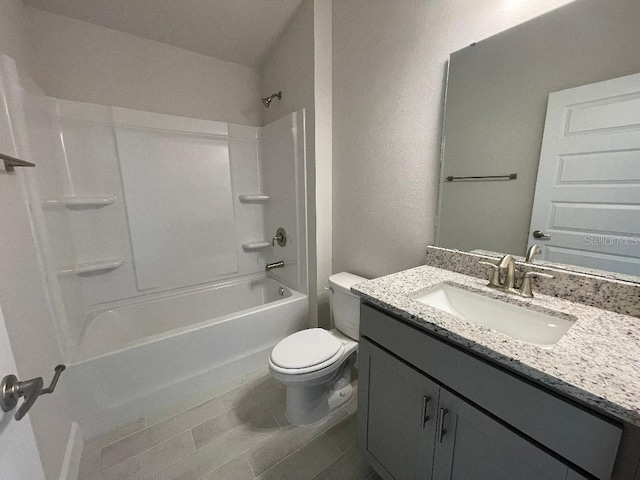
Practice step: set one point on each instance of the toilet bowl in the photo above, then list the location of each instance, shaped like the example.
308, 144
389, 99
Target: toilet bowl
315, 364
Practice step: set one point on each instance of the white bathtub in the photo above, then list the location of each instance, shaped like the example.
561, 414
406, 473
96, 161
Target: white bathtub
140, 357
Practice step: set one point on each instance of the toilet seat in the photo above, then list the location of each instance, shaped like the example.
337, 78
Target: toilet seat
306, 351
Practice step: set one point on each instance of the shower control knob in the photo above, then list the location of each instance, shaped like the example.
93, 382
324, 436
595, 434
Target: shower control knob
281, 237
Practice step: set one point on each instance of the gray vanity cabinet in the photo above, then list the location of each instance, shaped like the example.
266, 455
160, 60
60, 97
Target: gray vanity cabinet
401, 415
411, 428
430, 410
472, 445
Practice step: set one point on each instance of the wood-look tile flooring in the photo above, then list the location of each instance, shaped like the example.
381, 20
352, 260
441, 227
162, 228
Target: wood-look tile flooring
236, 431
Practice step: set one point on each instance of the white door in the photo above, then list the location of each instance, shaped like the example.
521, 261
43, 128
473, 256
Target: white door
587, 200
19, 457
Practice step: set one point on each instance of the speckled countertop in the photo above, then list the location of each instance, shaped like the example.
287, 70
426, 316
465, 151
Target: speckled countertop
597, 361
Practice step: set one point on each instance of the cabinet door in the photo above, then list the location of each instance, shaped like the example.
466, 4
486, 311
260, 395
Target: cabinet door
572, 475
397, 408
472, 445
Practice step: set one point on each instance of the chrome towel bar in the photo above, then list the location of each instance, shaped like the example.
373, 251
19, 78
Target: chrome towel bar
511, 176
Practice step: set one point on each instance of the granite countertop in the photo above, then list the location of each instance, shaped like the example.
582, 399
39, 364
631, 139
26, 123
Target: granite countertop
597, 361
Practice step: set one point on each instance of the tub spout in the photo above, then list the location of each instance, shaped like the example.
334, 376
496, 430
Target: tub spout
271, 266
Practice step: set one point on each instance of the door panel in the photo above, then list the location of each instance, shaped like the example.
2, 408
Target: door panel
587, 195
27, 343
400, 417
571, 475
477, 447
19, 456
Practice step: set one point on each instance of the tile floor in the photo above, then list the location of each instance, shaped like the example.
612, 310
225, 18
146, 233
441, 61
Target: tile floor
236, 431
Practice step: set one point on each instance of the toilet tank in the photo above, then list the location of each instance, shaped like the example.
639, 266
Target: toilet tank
345, 305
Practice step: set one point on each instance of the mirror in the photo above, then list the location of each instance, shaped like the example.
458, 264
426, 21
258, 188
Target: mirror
496, 105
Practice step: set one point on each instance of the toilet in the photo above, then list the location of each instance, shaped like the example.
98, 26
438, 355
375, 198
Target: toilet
315, 364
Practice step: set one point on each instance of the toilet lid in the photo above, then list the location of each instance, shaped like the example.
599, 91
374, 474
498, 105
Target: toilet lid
305, 349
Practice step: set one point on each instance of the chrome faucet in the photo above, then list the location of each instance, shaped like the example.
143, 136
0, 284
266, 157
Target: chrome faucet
532, 252
271, 266
508, 263
525, 288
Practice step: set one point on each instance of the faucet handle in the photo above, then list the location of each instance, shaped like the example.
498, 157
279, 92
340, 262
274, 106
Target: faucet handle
525, 288
538, 274
494, 281
489, 264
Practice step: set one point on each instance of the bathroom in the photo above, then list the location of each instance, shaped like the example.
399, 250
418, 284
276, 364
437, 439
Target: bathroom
347, 160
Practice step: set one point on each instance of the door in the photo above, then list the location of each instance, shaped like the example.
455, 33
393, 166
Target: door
587, 199
399, 417
18, 452
472, 445
27, 344
571, 475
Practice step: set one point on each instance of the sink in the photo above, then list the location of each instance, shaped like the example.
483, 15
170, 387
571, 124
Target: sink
518, 322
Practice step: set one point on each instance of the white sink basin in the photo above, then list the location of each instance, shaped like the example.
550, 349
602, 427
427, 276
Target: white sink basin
518, 322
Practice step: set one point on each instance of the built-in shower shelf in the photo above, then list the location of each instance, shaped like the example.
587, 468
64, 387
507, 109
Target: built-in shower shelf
254, 198
82, 201
257, 245
95, 266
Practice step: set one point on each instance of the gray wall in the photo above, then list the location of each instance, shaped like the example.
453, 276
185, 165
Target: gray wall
300, 65
289, 67
496, 107
14, 39
389, 61
80, 61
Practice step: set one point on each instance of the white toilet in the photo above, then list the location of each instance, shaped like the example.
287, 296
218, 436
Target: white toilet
315, 364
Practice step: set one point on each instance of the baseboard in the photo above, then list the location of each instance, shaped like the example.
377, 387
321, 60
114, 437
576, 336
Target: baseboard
71, 463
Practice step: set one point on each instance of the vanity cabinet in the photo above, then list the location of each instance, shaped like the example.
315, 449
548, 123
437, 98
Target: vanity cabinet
430, 410
401, 413
416, 429
472, 445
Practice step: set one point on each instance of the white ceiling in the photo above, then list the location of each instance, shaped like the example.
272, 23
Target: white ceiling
239, 31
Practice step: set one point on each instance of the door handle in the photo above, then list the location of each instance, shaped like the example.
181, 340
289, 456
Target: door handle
425, 417
541, 235
442, 430
11, 389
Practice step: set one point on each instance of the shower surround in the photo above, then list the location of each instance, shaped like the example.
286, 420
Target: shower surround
154, 232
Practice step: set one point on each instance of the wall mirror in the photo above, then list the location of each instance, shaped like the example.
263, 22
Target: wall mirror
586, 205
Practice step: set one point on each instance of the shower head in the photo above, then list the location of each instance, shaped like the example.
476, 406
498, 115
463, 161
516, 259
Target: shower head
267, 100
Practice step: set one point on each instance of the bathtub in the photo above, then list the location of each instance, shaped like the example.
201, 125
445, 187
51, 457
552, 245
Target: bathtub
145, 355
